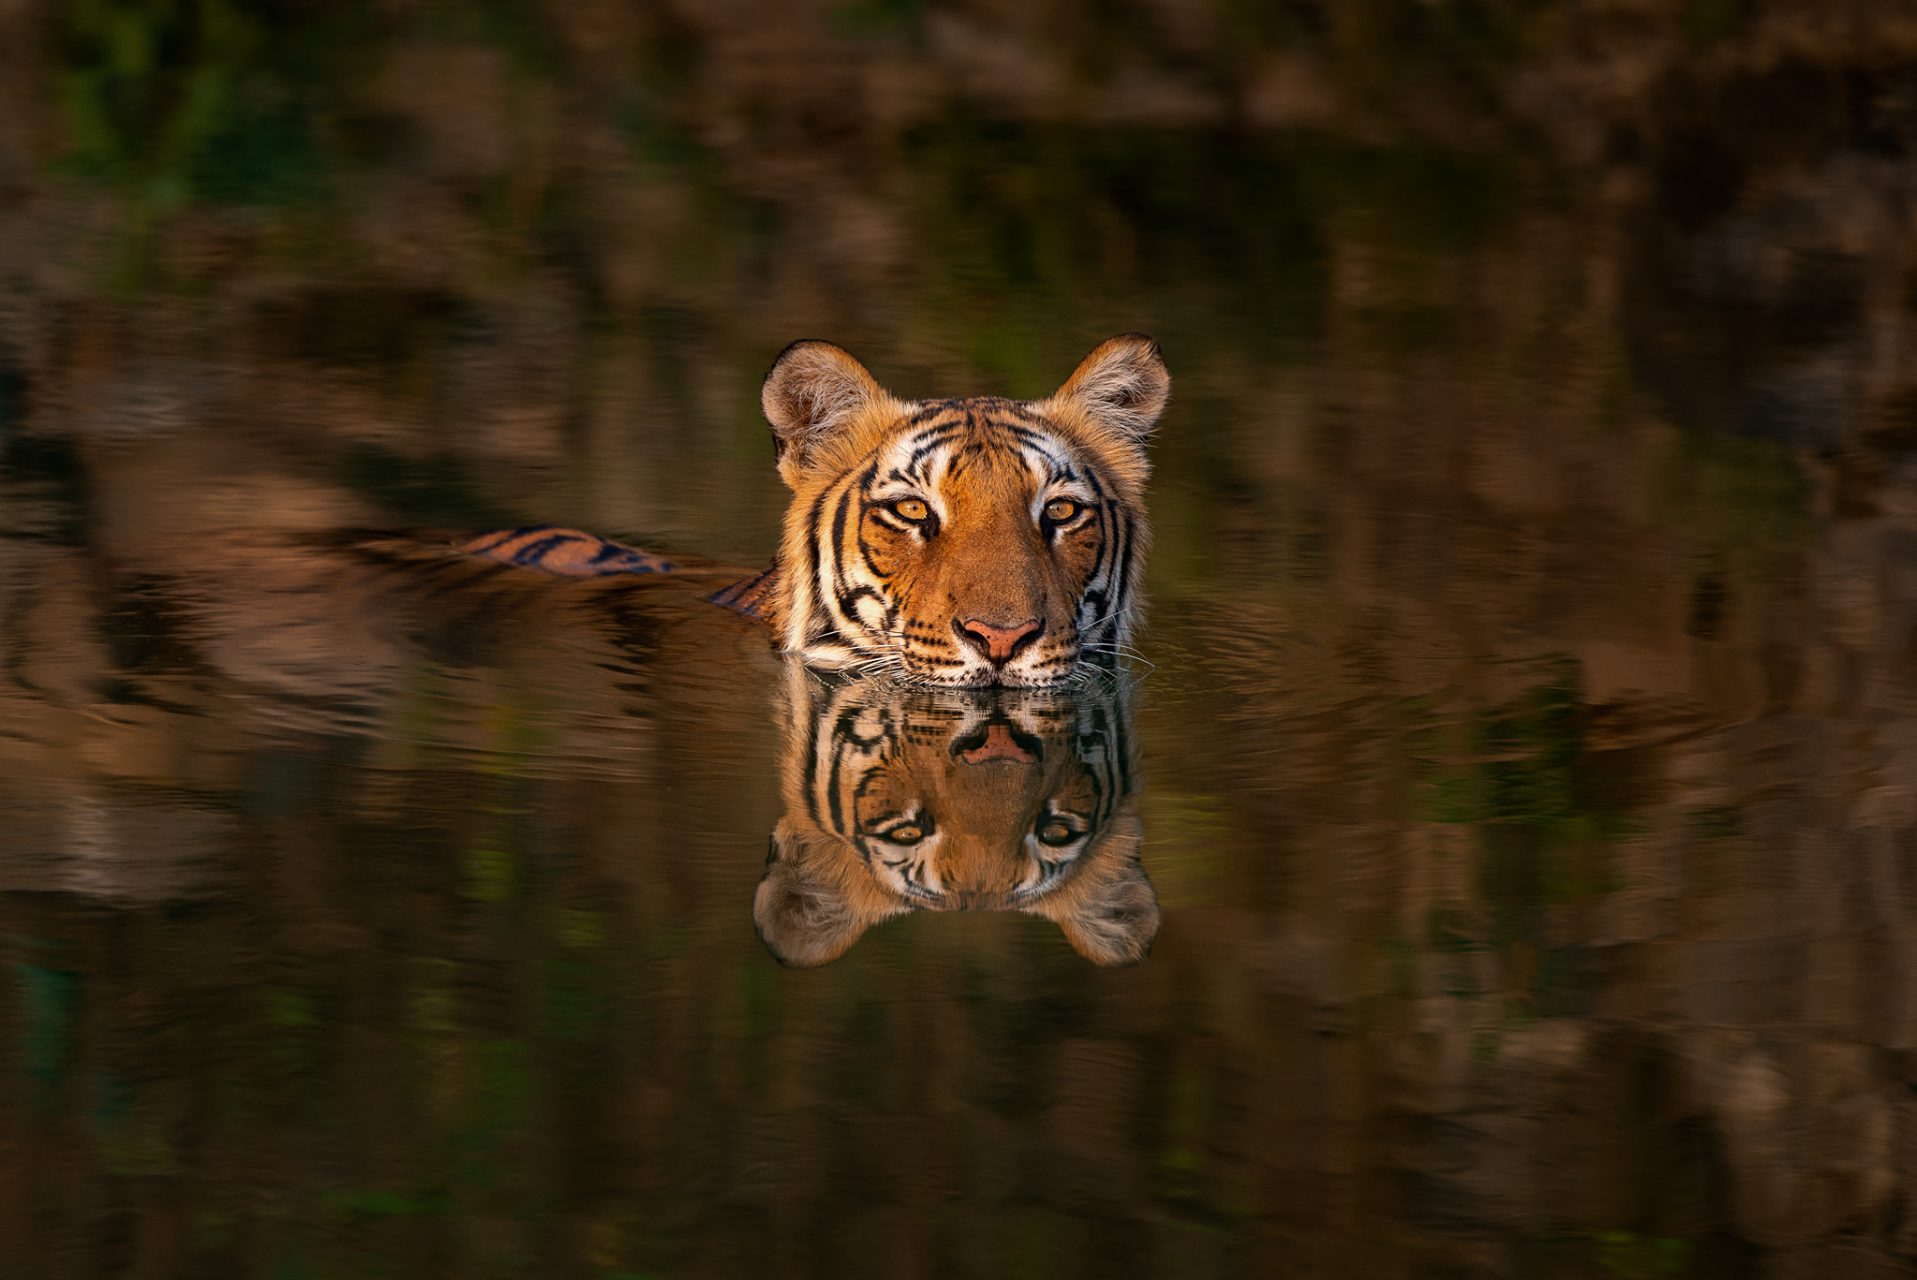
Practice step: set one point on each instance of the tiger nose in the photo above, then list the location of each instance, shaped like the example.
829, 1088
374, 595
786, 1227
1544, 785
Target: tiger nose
998, 642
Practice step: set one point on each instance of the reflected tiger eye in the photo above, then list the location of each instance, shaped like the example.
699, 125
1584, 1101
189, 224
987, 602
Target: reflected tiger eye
1060, 510
906, 834
911, 509
1056, 833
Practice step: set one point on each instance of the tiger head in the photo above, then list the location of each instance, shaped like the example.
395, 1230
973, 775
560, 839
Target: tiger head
902, 799
961, 542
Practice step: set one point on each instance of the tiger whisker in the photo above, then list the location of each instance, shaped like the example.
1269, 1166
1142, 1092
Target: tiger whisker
1121, 651
1103, 618
1129, 656
1111, 647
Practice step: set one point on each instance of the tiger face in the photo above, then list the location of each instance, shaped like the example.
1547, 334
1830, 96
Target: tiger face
962, 543
901, 800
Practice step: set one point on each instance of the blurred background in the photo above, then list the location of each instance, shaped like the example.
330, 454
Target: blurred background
1528, 759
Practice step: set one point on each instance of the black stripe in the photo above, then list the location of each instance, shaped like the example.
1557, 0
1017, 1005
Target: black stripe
1122, 588
501, 538
865, 553
812, 544
841, 733
931, 409
527, 555
1101, 567
933, 446
1115, 577
812, 767
848, 597
838, 543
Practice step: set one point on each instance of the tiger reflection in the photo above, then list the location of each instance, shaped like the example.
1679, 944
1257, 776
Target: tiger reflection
908, 799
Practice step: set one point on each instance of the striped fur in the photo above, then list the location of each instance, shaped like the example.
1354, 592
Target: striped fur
923, 533
565, 552
901, 800
957, 543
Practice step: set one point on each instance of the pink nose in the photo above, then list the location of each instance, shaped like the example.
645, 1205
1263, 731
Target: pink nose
999, 745
996, 642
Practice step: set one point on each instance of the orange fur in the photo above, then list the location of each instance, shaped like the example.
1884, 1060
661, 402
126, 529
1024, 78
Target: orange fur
948, 542
859, 586
901, 800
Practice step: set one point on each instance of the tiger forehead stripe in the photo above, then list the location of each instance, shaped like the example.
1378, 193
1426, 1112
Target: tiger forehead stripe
985, 439
944, 450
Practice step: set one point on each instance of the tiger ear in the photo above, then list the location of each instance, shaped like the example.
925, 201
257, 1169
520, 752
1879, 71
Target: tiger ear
1109, 910
813, 391
1123, 386
803, 919
1115, 925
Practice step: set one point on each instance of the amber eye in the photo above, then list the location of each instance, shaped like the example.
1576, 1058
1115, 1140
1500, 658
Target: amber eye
911, 509
907, 834
1055, 833
1059, 510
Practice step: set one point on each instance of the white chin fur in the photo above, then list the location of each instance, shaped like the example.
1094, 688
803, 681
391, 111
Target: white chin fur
986, 676
980, 676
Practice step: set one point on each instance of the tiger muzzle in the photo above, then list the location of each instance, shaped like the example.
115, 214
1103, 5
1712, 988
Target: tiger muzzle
997, 642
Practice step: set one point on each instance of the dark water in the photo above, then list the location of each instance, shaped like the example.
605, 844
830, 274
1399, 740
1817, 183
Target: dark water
1519, 780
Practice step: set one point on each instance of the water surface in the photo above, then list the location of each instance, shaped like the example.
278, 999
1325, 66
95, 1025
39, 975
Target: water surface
1514, 792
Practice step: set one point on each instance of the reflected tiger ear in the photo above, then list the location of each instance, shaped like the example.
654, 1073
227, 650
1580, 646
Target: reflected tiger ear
1123, 386
803, 919
813, 391
1111, 919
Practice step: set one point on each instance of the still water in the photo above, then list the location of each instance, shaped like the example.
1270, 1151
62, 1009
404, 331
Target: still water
1514, 792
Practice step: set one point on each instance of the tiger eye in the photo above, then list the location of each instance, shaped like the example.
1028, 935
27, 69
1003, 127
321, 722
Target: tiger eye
905, 834
912, 509
1060, 510
1056, 833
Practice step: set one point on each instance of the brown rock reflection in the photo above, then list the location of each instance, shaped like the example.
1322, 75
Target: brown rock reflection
901, 799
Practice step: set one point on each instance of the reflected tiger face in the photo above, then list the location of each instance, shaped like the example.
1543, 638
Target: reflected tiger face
902, 800
962, 543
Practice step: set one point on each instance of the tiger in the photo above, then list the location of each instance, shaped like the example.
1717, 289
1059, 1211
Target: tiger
958, 543
903, 798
